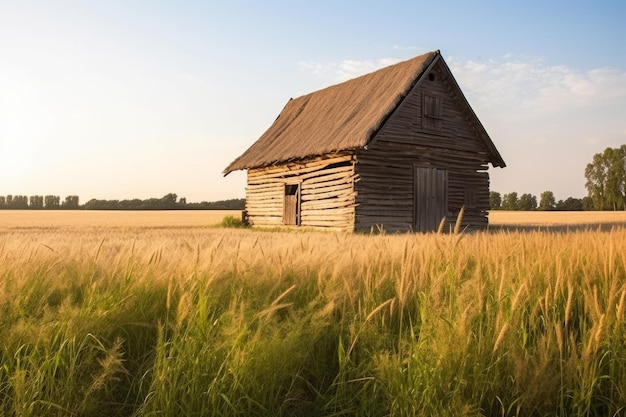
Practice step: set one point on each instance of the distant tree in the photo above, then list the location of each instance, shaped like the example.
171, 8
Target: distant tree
510, 201
91, 204
153, 204
570, 204
36, 202
495, 200
168, 201
134, 204
17, 202
587, 203
3, 202
52, 201
606, 179
232, 204
71, 202
95, 204
547, 201
527, 202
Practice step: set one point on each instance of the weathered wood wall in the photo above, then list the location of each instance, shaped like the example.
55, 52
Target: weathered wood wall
431, 131
326, 194
386, 170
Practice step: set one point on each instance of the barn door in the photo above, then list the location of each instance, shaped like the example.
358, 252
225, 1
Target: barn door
430, 198
291, 205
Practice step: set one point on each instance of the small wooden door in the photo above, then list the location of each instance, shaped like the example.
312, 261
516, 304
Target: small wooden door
430, 198
291, 205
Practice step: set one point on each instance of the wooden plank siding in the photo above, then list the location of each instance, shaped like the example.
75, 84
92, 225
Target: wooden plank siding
427, 161
386, 169
430, 198
325, 195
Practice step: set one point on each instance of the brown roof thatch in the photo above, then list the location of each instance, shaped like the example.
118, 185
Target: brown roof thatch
340, 117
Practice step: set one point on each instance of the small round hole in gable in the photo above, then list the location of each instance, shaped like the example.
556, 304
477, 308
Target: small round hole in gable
431, 76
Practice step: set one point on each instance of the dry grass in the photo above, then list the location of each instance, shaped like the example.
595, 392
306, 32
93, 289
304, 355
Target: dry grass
80, 219
556, 218
107, 316
67, 220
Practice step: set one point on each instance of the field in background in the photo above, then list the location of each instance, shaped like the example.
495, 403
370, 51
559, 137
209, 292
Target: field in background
154, 313
63, 219
557, 218
72, 219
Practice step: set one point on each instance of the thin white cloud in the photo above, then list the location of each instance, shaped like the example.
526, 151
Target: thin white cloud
345, 69
528, 83
546, 120
517, 82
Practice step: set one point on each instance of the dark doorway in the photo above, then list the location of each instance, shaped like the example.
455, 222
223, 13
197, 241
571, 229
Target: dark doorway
291, 205
430, 198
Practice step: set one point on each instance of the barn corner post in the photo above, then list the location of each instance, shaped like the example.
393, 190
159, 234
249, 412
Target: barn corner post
398, 149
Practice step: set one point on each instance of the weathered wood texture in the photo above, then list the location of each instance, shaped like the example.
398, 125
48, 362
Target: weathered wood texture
389, 170
325, 196
427, 161
430, 198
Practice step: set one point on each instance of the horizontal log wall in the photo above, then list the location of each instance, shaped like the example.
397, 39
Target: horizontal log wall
326, 192
386, 169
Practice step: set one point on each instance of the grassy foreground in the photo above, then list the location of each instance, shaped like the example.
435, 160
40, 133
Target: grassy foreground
194, 321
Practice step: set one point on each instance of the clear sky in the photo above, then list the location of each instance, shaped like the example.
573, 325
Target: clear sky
137, 99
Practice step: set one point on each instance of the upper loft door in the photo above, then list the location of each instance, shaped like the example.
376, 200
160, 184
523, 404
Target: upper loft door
291, 205
430, 199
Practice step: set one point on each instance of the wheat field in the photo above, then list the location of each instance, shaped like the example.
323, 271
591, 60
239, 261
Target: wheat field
164, 313
90, 219
578, 219
47, 219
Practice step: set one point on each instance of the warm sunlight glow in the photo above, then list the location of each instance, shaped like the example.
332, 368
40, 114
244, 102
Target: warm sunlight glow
16, 154
119, 100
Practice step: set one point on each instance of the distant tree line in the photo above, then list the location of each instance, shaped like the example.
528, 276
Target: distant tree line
606, 179
547, 202
38, 202
605, 175
606, 188
168, 202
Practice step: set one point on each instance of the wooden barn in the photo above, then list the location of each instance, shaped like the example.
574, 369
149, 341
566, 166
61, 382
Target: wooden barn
399, 149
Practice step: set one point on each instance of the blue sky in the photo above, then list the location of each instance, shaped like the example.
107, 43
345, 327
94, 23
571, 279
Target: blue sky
124, 99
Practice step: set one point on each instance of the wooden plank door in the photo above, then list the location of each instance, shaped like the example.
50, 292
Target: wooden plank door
430, 198
291, 205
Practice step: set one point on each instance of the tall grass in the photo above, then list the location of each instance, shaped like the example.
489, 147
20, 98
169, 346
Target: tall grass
233, 322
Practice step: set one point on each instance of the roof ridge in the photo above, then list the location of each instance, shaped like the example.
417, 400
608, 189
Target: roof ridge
324, 121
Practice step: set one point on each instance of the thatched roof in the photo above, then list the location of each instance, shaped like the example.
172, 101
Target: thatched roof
340, 117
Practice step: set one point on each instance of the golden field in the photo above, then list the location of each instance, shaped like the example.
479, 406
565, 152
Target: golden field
557, 218
164, 313
77, 219
67, 219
